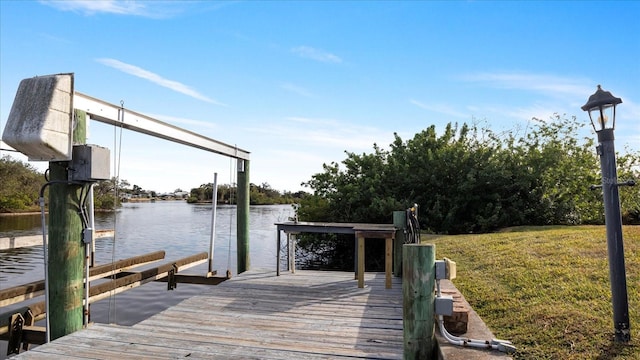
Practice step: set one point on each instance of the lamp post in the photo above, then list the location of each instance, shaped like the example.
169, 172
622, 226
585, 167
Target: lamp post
602, 112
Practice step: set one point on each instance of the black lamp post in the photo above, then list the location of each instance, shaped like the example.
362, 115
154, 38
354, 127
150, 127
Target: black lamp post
602, 112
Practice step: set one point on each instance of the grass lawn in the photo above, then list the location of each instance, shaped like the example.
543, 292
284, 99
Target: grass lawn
547, 289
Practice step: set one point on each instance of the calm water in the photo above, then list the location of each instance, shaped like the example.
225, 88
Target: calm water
178, 228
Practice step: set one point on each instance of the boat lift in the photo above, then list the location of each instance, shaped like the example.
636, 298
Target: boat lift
42, 124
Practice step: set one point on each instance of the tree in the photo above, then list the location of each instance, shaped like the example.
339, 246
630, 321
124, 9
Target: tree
470, 179
21, 185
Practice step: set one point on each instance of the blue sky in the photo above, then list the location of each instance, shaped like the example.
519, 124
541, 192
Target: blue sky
298, 83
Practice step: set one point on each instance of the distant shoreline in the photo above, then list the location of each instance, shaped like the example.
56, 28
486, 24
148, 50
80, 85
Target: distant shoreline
7, 214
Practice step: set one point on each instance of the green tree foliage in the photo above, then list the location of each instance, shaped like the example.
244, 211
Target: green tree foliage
470, 179
20, 187
21, 184
105, 195
259, 195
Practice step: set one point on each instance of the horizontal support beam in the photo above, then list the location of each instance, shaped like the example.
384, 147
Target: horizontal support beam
24, 292
113, 287
14, 242
107, 113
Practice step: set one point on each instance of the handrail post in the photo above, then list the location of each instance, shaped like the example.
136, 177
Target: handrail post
418, 285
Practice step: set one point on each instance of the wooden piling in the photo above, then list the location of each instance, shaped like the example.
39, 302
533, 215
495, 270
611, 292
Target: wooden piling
418, 285
243, 216
66, 256
400, 223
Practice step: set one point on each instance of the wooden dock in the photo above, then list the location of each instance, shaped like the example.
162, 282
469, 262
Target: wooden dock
257, 315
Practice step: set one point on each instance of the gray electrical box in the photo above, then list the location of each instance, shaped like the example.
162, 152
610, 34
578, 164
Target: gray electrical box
444, 305
89, 163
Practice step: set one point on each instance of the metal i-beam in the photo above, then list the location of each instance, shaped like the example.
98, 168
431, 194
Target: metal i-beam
107, 113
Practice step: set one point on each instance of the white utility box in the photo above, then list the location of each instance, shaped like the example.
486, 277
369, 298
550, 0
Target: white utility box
41, 118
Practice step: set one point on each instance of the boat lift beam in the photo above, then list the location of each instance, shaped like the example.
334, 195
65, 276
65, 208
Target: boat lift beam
108, 113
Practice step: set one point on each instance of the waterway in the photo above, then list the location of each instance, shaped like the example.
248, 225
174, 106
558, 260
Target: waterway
179, 228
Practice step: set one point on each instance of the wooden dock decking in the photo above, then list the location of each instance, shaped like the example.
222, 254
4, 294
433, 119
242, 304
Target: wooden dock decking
257, 315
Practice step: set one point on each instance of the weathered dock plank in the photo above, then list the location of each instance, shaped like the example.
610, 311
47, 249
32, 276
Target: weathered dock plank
257, 315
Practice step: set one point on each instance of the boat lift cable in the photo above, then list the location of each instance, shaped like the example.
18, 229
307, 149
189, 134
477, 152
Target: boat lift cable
117, 144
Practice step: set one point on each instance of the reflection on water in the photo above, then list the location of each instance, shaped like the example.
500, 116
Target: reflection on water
16, 262
178, 228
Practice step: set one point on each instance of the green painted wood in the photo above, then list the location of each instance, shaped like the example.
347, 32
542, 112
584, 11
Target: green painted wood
66, 255
400, 222
418, 285
244, 262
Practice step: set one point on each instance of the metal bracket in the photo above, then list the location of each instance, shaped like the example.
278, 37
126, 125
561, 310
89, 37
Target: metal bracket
172, 283
626, 183
15, 334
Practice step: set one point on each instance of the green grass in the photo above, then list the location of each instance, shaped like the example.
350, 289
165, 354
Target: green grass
547, 289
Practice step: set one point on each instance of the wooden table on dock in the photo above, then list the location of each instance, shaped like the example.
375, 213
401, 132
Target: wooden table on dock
361, 231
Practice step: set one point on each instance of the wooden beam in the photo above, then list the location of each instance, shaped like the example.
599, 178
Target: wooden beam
31, 290
361, 261
113, 287
388, 262
104, 290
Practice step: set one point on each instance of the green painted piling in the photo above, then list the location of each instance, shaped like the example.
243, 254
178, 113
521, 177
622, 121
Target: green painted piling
242, 222
400, 223
66, 255
418, 286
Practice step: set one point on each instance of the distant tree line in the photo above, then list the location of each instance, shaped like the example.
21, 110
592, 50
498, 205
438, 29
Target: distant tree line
471, 180
20, 185
262, 194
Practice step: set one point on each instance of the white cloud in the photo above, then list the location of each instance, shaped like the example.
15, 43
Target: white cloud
316, 54
440, 108
179, 120
160, 9
297, 90
157, 79
550, 85
327, 134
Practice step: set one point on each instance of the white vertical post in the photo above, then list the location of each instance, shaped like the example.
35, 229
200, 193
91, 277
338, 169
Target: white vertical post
214, 205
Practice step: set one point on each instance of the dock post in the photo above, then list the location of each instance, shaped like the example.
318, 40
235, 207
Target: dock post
243, 216
66, 255
400, 223
418, 285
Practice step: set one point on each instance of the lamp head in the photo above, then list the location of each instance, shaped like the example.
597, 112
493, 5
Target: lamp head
602, 109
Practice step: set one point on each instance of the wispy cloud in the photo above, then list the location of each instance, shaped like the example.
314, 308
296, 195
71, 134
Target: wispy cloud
441, 108
158, 9
316, 54
327, 133
157, 79
550, 85
184, 121
297, 90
